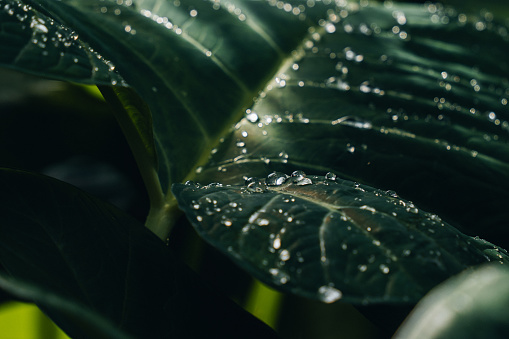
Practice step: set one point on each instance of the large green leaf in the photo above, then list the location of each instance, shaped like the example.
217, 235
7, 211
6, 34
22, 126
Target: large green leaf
474, 304
198, 65
59, 239
408, 98
330, 239
375, 92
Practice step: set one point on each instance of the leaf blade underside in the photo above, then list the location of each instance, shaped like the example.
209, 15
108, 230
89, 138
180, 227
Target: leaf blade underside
59, 239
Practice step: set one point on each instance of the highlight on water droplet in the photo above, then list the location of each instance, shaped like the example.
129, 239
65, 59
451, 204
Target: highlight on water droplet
329, 294
276, 179
251, 116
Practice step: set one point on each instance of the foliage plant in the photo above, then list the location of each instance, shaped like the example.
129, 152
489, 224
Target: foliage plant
341, 151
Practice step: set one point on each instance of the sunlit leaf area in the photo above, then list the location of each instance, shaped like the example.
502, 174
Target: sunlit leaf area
254, 169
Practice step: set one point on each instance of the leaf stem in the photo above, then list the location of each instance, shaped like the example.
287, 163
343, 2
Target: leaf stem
135, 120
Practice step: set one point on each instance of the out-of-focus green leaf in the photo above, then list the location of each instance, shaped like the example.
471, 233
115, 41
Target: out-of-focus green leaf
474, 304
58, 239
330, 239
90, 324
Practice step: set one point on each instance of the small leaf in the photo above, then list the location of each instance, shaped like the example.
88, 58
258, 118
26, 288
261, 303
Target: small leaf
474, 304
330, 239
58, 239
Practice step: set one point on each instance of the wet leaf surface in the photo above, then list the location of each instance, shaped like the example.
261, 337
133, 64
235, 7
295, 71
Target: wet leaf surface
35, 41
405, 97
330, 239
402, 97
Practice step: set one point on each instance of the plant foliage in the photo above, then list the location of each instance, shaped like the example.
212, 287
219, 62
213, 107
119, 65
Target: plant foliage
369, 98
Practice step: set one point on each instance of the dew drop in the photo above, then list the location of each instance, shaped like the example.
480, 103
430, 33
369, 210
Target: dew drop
284, 255
331, 176
330, 28
384, 269
362, 268
277, 243
251, 116
276, 179
329, 294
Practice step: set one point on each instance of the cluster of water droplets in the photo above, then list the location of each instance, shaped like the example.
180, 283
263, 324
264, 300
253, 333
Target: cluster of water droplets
58, 42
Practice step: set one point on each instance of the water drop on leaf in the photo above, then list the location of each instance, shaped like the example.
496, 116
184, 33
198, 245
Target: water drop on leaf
329, 294
276, 179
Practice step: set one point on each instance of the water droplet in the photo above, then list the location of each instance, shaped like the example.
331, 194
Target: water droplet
255, 186
277, 243
329, 294
284, 255
331, 176
330, 28
251, 116
362, 268
298, 175
384, 269
276, 179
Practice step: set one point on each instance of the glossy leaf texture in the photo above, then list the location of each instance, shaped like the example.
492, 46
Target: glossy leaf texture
197, 64
473, 304
375, 92
411, 98
32, 40
58, 239
330, 239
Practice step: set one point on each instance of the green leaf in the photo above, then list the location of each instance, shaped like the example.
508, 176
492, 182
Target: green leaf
58, 239
90, 324
402, 97
375, 93
198, 72
474, 304
330, 239
32, 40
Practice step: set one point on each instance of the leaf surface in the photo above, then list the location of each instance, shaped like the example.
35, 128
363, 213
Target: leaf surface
394, 97
58, 239
32, 40
405, 97
473, 304
331, 239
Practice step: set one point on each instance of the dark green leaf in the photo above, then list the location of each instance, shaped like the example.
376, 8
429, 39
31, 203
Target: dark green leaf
59, 239
328, 238
90, 324
474, 304
198, 64
405, 97
35, 42
410, 98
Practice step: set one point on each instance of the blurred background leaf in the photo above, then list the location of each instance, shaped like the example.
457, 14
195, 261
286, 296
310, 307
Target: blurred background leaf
474, 304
